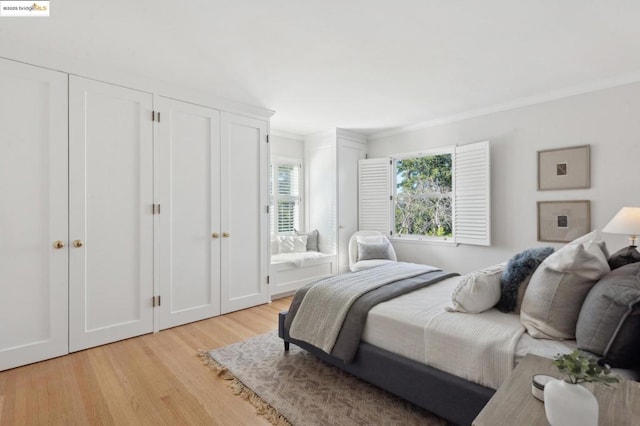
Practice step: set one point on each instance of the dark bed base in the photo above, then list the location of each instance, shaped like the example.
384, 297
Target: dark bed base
444, 394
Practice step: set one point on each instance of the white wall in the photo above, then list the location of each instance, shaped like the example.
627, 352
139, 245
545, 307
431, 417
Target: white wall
287, 145
608, 120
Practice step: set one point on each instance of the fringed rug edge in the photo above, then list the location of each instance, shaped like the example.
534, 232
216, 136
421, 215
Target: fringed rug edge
262, 407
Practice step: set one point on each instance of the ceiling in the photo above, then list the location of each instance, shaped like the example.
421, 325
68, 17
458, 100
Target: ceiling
365, 65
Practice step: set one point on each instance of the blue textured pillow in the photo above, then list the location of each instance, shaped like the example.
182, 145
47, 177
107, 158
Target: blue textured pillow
517, 273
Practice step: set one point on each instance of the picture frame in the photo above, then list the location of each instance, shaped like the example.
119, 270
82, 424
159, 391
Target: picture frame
563, 221
564, 168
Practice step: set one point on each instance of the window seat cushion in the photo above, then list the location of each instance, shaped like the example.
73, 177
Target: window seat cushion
299, 259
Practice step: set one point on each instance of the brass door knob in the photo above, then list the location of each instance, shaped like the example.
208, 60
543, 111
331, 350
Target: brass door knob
215, 235
58, 244
77, 243
225, 235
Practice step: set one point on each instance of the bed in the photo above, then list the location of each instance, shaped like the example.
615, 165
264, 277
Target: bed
394, 353
391, 354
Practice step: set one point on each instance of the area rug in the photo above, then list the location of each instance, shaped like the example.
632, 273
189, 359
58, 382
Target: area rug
296, 388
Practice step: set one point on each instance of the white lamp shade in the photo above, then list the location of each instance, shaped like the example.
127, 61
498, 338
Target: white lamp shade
627, 221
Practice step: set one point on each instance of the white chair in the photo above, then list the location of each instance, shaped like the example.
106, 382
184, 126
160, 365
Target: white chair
358, 265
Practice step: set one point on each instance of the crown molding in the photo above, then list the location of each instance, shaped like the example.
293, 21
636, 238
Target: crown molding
518, 103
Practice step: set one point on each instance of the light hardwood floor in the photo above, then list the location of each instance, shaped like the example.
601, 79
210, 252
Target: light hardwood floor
155, 379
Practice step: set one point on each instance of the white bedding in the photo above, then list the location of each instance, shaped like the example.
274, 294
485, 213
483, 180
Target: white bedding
400, 325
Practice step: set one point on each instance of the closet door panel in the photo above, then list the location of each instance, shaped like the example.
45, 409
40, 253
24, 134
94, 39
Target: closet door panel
111, 222
244, 218
33, 214
189, 173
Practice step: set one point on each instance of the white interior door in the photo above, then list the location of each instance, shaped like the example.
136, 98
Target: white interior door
189, 232
111, 221
244, 217
33, 214
349, 153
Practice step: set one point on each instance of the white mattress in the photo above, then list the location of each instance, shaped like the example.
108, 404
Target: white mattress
398, 325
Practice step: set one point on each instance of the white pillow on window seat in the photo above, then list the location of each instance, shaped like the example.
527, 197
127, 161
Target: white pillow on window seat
292, 244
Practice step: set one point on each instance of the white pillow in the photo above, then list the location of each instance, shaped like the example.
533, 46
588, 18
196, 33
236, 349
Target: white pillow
292, 244
477, 291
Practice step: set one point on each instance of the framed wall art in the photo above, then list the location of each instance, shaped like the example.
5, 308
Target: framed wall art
564, 168
563, 221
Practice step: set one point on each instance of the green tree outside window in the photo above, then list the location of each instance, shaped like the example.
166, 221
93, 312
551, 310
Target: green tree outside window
423, 202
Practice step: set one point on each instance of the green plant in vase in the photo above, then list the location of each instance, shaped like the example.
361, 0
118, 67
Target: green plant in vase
580, 367
567, 403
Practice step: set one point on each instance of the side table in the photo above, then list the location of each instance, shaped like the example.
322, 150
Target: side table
514, 404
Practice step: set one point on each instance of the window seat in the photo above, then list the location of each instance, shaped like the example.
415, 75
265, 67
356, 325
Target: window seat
290, 271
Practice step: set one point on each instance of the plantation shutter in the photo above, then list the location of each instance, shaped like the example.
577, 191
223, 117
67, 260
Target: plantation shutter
374, 206
272, 211
472, 224
286, 197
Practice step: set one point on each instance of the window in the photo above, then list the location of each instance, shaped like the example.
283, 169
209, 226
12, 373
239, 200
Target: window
441, 195
423, 195
286, 197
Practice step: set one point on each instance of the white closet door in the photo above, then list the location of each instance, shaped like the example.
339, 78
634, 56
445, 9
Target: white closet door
110, 200
244, 217
33, 214
189, 232
349, 154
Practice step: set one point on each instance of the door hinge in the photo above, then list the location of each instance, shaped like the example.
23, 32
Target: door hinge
268, 279
391, 197
156, 209
153, 116
156, 301
267, 209
267, 138
158, 116
391, 162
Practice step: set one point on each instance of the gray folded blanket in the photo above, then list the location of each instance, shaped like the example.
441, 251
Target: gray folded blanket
330, 314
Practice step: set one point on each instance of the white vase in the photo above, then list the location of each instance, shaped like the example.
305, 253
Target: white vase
569, 405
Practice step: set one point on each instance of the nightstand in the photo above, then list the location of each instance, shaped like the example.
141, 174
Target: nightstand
514, 404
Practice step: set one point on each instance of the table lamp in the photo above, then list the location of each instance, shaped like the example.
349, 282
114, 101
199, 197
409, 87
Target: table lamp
627, 222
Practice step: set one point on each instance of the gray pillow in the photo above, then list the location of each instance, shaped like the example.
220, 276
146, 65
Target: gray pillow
624, 257
368, 251
609, 321
312, 240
